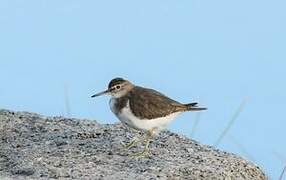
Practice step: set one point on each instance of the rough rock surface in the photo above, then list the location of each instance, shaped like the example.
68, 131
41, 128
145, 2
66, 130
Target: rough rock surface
37, 147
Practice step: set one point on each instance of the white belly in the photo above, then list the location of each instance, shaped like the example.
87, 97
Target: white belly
128, 118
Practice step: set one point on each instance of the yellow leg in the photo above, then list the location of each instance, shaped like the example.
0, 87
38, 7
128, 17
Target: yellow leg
134, 142
147, 140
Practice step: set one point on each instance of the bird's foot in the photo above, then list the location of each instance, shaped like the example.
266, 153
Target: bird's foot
144, 153
131, 144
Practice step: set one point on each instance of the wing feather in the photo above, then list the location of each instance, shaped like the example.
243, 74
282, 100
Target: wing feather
149, 104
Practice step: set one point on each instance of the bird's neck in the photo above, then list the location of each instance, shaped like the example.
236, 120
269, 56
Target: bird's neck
117, 104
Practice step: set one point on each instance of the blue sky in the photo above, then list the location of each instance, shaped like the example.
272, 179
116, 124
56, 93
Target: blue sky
215, 52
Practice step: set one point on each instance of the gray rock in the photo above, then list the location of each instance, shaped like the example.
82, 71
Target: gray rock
38, 147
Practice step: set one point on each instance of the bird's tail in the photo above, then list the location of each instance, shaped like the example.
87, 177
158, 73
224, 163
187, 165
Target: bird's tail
193, 107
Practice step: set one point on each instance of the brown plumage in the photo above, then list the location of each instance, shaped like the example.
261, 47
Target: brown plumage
149, 104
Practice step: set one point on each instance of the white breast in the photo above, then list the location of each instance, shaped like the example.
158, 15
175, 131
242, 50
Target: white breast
112, 104
127, 117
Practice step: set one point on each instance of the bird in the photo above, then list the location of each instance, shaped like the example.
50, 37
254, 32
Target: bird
143, 109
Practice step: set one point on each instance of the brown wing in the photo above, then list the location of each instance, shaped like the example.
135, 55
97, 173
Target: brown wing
150, 104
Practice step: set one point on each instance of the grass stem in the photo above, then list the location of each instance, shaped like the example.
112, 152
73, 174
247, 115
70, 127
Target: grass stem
231, 122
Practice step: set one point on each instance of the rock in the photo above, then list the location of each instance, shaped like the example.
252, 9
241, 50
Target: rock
37, 147
22, 171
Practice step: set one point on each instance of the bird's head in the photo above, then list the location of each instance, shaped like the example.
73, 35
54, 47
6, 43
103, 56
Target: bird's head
117, 88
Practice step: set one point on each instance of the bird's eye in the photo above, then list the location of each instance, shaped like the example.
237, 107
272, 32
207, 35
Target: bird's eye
118, 87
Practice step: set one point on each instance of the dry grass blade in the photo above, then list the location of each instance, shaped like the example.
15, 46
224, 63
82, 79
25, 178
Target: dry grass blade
279, 156
234, 117
198, 117
241, 148
67, 100
283, 172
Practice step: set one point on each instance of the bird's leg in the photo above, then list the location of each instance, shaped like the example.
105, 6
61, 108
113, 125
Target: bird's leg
129, 145
133, 142
147, 140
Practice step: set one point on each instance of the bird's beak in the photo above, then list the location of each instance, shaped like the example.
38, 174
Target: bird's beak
101, 93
